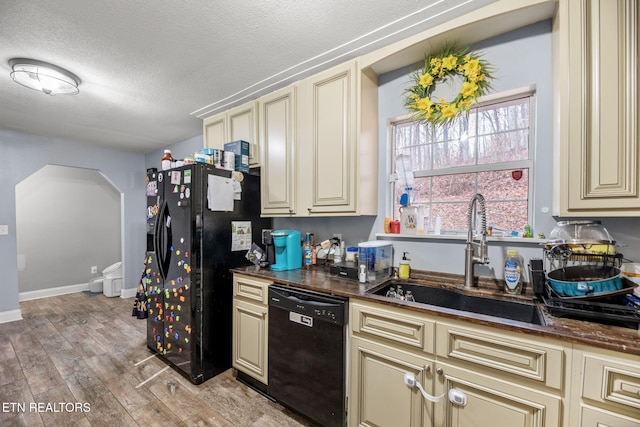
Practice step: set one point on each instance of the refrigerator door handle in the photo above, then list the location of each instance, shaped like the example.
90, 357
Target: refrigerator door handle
159, 241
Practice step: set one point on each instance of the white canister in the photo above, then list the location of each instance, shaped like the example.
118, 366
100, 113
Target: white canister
408, 220
229, 160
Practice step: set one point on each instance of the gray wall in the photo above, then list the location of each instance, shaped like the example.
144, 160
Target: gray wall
22, 155
179, 150
67, 219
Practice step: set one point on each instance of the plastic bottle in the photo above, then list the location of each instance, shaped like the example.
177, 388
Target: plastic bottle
307, 251
512, 273
337, 254
362, 272
405, 268
352, 252
166, 160
313, 250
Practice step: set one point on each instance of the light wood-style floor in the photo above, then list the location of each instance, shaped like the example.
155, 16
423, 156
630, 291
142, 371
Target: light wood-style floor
73, 360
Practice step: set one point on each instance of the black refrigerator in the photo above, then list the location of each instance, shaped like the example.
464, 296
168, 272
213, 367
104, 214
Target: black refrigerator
200, 221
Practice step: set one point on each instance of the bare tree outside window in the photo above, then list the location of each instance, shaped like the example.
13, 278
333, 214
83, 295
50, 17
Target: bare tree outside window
488, 152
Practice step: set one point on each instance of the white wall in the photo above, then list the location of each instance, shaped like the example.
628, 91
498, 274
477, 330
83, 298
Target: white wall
67, 220
21, 155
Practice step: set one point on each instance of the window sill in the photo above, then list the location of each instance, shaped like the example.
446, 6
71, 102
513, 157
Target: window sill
460, 237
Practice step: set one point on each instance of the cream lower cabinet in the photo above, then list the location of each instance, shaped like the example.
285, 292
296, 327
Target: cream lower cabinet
480, 376
379, 396
250, 326
605, 388
505, 378
490, 400
597, 45
385, 344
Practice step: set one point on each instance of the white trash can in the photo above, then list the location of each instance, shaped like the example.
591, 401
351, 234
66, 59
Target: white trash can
112, 280
95, 285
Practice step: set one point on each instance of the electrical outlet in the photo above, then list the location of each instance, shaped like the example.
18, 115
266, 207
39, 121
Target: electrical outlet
94, 269
4, 229
338, 236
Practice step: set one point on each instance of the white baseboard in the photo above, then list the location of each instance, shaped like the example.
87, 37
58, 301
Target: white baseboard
10, 316
52, 292
129, 292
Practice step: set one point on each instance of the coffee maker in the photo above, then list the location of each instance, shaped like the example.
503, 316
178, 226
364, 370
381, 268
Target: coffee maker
288, 249
267, 241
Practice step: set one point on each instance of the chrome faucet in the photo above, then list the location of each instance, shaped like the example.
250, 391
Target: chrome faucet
470, 257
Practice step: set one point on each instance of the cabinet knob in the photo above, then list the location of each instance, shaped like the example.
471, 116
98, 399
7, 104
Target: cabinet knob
427, 368
439, 371
264, 314
290, 211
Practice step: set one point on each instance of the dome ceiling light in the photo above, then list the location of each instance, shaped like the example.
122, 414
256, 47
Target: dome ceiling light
45, 77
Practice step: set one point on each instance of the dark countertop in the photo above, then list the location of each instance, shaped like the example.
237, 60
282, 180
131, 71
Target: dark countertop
625, 340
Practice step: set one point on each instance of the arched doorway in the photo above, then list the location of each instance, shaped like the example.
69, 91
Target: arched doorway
68, 220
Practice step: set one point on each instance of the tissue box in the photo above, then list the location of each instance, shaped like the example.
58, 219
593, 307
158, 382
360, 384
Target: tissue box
241, 150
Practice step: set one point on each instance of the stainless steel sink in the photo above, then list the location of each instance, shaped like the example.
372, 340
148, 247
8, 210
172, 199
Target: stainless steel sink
448, 298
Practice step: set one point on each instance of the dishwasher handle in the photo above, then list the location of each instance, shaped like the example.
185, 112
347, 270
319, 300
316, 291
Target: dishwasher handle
320, 307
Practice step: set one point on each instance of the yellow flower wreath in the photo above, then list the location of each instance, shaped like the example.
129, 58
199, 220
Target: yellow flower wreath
476, 74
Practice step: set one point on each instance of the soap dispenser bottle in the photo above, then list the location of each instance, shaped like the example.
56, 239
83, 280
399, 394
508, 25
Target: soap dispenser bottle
405, 268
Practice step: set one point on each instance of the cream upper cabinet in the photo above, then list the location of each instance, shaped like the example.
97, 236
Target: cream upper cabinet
596, 53
214, 131
243, 125
238, 123
336, 143
250, 326
277, 112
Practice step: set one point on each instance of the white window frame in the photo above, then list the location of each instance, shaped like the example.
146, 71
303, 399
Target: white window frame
529, 164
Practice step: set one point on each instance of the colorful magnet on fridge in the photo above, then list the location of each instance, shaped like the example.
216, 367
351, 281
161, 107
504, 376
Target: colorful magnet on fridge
182, 240
182, 299
178, 252
177, 318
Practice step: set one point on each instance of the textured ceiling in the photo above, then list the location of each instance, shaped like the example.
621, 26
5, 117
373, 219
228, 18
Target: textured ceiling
151, 69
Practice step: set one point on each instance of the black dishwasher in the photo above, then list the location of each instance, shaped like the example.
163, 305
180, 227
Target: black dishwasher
307, 353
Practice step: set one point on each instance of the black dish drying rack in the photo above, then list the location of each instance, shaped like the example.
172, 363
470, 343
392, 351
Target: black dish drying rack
610, 308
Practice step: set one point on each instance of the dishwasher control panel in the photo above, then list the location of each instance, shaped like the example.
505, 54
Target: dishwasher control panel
307, 307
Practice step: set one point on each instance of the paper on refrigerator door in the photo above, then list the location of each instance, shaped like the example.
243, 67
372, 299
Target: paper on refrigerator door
220, 193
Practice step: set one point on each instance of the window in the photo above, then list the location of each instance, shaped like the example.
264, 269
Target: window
488, 152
